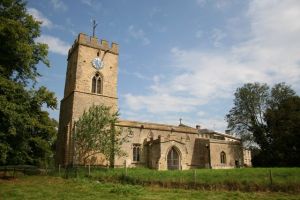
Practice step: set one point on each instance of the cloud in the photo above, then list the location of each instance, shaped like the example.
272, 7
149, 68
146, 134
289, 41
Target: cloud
160, 103
270, 54
37, 15
221, 4
55, 44
201, 2
138, 34
135, 74
154, 11
218, 4
59, 5
92, 3
217, 35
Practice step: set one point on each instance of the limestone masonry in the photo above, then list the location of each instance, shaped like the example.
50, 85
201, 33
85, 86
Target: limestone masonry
92, 79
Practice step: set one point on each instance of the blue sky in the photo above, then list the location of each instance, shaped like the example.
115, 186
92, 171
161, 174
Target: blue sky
178, 59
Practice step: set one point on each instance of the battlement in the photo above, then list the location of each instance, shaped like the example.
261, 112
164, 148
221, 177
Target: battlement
93, 42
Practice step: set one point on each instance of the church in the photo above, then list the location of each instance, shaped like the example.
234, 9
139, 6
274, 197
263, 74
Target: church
92, 79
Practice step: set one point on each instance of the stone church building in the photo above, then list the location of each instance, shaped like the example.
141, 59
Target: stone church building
92, 78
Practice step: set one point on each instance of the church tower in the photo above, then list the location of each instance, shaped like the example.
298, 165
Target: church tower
91, 79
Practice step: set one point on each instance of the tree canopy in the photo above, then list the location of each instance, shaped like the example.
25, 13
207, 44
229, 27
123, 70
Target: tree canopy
96, 134
19, 52
255, 114
283, 124
27, 133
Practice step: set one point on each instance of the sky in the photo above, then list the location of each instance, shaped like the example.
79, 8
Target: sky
178, 59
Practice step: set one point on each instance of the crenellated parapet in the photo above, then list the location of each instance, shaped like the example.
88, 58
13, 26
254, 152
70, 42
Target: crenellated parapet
93, 42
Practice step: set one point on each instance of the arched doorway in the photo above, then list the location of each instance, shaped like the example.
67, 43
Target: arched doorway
173, 159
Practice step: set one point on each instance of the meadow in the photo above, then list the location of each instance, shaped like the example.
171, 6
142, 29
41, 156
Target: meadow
51, 187
141, 183
243, 179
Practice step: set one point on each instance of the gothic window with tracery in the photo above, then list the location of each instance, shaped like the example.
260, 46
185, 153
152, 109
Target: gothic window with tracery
136, 151
97, 84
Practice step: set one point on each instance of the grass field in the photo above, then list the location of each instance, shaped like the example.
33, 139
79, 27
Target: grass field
244, 179
50, 187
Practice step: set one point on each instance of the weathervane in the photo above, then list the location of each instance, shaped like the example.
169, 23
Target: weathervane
94, 27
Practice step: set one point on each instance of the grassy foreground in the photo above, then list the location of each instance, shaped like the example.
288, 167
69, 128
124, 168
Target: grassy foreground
244, 179
49, 187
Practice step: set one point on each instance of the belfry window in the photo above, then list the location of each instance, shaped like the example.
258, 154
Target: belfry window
223, 157
97, 84
136, 151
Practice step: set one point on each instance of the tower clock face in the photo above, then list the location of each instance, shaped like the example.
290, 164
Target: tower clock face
97, 63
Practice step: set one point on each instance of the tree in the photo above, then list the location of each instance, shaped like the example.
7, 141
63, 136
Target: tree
96, 134
19, 52
284, 132
248, 116
26, 131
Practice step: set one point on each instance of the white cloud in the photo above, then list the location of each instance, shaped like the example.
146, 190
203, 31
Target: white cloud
201, 2
200, 113
55, 44
92, 3
270, 55
217, 36
219, 4
213, 123
37, 15
138, 34
160, 103
135, 74
59, 5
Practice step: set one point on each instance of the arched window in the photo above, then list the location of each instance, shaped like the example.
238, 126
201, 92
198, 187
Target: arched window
97, 84
136, 150
94, 82
223, 157
173, 159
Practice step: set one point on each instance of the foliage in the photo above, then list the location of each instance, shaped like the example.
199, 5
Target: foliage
255, 115
284, 130
26, 131
96, 134
19, 52
247, 117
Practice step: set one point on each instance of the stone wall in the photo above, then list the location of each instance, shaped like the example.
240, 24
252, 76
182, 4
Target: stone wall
194, 148
232, 150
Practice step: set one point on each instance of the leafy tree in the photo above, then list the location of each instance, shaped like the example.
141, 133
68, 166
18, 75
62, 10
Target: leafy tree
248, 118
96, 134
19, 52
284, 132
26, 131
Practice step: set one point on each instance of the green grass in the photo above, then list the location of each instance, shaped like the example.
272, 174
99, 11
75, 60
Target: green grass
49, 187
244, 179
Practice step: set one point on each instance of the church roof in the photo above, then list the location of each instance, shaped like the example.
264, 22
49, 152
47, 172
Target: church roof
156, 126
167, 127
